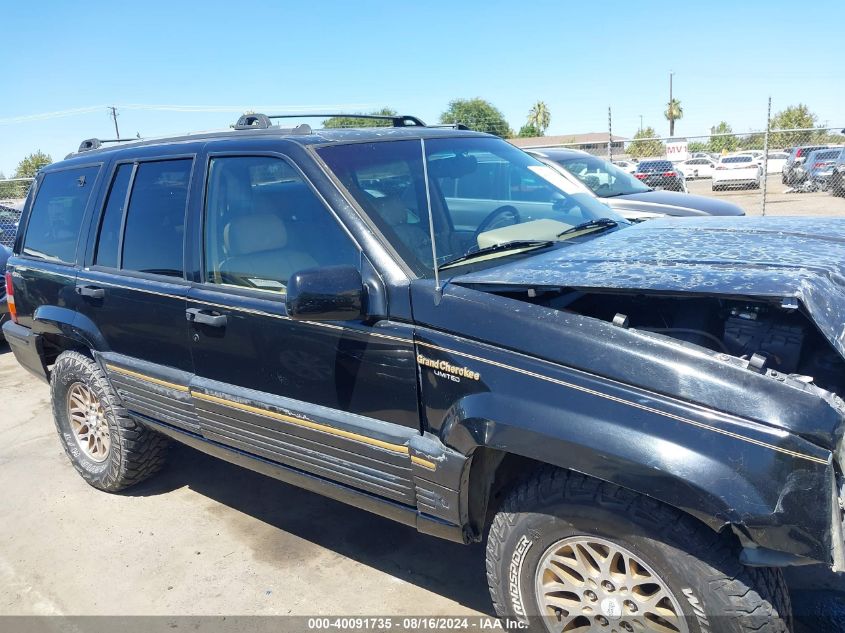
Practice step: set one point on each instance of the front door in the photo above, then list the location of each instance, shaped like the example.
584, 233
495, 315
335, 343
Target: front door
338, 400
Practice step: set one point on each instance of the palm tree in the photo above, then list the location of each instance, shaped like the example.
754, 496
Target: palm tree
539, 116
674, 111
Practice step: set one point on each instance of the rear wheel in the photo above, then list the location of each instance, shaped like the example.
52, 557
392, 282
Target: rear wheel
570, 553
108, 448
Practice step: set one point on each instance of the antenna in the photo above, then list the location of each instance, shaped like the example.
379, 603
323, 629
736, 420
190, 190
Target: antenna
437, 290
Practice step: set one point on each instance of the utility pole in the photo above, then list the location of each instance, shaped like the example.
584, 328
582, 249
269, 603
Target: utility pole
114, 116
671, 114
641, 123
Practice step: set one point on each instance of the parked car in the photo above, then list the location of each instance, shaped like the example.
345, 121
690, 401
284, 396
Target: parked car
661, 174
837, 177
626, 194
775, 162
5, 253
698, 167
628, 166
792, 173
819, 167
737, 170
359, 313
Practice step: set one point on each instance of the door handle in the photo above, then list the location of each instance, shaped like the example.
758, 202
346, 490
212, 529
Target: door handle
205, 317
90, 291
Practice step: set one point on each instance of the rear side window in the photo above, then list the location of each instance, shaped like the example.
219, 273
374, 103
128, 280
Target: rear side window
153, 240
53, 226
108, 242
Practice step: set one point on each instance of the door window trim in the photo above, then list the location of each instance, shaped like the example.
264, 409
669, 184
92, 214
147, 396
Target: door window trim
258, 293
103, 202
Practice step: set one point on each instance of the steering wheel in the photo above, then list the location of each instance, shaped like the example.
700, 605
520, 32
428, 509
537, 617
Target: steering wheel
486, 223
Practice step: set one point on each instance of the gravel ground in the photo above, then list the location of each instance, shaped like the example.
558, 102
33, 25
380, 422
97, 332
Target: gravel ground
777, 202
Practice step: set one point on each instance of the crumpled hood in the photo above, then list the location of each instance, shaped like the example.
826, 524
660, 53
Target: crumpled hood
802, 258
673, 203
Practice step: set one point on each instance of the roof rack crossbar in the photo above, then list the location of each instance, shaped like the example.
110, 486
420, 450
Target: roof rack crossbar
264, 121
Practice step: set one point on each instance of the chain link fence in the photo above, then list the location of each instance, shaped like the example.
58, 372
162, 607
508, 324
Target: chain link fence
797, 171
12, 195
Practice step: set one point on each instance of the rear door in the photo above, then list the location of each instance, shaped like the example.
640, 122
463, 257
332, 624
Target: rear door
133, 289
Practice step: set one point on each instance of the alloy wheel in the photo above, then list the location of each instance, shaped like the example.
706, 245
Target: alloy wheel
88, 422
591, 584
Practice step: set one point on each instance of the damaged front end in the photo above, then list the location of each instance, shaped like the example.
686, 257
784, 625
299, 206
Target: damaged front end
763, 296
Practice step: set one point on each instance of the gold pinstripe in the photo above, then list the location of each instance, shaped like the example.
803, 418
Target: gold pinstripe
636, 405
400, 449
135, 374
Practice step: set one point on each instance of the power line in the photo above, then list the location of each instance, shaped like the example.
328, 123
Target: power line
295, 109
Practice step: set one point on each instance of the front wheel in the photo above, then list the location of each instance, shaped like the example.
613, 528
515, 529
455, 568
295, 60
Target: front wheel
570, 553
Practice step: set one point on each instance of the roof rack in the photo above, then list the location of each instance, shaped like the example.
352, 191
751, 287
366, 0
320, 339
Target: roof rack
451, 126
263, 121
95, 143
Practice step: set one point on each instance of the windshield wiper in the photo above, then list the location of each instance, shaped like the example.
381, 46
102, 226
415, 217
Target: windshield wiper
496, 248
598, 223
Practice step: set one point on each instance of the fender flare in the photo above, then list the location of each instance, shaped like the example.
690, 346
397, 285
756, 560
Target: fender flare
63, 323
761, 494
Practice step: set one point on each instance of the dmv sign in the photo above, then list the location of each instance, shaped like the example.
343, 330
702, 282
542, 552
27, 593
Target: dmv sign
677, 149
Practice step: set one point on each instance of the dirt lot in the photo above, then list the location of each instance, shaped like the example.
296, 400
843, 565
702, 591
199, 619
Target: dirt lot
777, 202
209, 538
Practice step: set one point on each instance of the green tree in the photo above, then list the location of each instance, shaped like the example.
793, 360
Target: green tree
645, 144
723, 143
346, 121
540, 117
30, 165
674, 111
798, 117
697, 146
477, 114
529, 131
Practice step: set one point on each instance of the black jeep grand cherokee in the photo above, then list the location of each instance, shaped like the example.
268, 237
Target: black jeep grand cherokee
430, 325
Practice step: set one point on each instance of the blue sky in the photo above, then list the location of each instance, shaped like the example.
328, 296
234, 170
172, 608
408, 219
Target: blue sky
580, 58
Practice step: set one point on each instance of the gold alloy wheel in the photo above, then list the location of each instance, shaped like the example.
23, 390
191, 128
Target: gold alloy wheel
88, 422
590, 584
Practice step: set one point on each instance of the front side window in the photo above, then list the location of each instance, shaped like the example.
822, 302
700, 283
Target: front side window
263, 223
153, 240
481, 192
52, 231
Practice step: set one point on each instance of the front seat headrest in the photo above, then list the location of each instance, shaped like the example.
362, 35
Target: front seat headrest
254, 234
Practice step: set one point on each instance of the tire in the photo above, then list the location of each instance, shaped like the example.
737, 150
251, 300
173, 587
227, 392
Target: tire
697, 569
133, 452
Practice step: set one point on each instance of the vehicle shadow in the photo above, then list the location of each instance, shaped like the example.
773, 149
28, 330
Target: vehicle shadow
451, 570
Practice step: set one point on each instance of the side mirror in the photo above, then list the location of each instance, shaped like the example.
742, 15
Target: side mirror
330, 293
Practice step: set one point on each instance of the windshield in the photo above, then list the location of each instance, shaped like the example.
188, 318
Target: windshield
483, 192
605, 179
737, 159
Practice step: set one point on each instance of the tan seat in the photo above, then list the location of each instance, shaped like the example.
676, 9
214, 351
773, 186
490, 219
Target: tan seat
258, 248
395, 214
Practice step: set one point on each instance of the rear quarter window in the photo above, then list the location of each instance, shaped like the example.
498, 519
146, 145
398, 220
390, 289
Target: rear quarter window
52, 231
